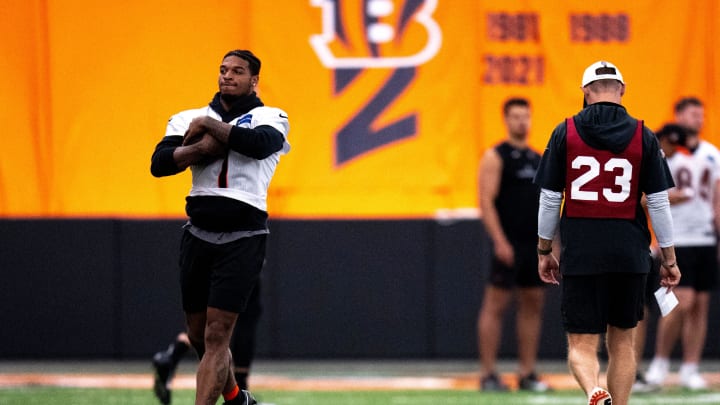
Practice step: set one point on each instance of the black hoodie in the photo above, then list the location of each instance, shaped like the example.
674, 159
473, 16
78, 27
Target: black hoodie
592, 245
604, 126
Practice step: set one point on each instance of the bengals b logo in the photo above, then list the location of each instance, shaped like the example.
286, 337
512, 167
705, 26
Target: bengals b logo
375, 34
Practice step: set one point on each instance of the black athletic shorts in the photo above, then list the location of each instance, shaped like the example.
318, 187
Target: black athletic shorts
220, 276
699, 267
524, 272
590, 303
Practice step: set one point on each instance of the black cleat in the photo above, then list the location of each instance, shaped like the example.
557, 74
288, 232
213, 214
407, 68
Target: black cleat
531, 382
493, 383
243, 398
164, 369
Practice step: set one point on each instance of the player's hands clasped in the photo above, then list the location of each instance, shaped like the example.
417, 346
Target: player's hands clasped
196, 130
204, 143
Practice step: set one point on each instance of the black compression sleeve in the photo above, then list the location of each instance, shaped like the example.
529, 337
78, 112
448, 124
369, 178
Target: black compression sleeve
163, 162
257, 143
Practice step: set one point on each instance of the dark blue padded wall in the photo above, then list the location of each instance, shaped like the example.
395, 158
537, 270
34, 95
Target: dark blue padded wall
108, 288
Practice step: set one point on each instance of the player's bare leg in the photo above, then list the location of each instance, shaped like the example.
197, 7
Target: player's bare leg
214, 373
669, 327
529, 322
641, 384
640, 337
196, 331
583, 361
694, 331
695, 327
495, 302
621, 364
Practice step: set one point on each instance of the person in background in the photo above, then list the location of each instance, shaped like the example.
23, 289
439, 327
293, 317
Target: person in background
696, 219
672, 138
509, 201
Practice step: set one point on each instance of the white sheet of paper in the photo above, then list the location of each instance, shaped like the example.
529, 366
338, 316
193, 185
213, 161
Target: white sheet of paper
666, 300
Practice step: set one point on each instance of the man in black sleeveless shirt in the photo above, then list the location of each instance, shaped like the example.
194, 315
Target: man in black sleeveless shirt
509, 203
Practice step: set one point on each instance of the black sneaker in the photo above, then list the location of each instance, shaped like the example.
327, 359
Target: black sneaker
164, 369
243, 398
641, 386
492, 382
531, 383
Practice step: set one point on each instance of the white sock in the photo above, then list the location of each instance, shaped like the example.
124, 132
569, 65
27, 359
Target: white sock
688, 368
663, 362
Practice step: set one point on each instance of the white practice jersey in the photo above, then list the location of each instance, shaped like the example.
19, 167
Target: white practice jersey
695, 175
247, 179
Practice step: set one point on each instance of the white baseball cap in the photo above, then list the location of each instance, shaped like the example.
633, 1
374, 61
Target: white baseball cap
601, 70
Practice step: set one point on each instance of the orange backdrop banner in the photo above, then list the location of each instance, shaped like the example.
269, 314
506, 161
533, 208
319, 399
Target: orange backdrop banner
391, 102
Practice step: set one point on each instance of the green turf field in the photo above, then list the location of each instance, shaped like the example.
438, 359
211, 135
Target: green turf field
84, 396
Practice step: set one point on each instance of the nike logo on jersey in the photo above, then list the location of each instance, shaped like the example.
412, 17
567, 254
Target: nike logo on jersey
283, 116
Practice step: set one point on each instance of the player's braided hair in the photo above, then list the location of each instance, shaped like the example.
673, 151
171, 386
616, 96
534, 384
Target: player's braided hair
252, 60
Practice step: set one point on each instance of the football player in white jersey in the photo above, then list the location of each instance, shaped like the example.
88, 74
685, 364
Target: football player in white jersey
694, 209
232, 146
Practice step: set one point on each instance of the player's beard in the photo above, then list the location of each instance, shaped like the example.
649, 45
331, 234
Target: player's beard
519, 136
231, 98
